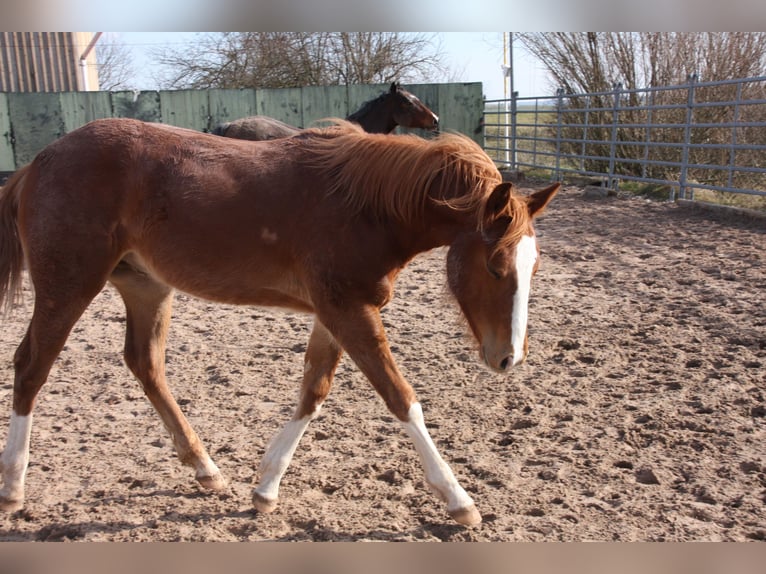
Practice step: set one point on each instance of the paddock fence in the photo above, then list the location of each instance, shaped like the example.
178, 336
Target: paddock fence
696, 136
30, 121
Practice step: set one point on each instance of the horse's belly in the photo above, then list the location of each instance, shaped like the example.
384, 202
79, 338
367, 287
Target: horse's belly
231, 284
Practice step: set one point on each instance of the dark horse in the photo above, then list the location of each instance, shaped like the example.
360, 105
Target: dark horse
322, 223
396, 107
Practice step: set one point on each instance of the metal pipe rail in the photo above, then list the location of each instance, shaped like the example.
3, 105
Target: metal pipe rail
698, 135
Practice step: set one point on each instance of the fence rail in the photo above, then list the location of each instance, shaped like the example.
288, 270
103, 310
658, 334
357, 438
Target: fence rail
690, 137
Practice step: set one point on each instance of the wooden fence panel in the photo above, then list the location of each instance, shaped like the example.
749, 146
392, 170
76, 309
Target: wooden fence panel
320, 102
186, 109
6, 145
144, 106
30, 121
462, 107
228, 105
36, 120
79, 108
283, 104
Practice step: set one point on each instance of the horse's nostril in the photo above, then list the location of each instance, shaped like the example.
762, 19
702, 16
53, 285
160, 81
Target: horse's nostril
504, 364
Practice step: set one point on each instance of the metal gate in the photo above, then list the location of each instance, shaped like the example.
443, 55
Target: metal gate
699, 135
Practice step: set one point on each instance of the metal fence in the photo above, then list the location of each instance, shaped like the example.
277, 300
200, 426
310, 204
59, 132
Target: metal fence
690, 137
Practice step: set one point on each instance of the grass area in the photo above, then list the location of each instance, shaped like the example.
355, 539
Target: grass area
740, 200
662, 192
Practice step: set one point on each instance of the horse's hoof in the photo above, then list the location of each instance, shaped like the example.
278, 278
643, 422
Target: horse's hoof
7, 505
468, 516
263, 504
215, 482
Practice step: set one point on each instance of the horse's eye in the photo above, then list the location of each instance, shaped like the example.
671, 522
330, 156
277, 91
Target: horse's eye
494, 272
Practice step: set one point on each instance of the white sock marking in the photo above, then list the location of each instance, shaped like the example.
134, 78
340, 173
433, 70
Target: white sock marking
526, 256
279, 453
15, 457
438, 473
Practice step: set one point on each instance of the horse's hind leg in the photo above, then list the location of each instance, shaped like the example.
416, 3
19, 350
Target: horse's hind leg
148, 305
321, 359
54, 315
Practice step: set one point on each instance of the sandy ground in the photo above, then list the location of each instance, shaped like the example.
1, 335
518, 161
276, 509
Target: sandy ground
640, 414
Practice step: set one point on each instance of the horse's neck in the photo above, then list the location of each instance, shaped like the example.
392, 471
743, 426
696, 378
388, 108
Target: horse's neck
375, 118
439, 227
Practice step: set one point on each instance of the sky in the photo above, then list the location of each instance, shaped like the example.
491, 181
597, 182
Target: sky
470, 56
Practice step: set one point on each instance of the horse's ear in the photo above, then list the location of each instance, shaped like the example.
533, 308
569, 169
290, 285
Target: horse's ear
497, 203
394, 87
539, 199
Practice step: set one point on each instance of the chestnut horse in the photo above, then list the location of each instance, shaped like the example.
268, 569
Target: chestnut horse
397, 107
321, 223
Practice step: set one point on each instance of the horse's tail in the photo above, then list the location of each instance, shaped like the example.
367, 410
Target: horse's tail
11, 252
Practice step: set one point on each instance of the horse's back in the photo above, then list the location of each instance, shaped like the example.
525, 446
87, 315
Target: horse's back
131, 172
256, 128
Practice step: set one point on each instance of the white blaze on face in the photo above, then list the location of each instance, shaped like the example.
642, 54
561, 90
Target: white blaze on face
526, 256
416, 101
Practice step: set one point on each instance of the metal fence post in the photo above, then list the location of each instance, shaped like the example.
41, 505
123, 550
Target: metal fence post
732, 151
687, 140
506, 145
559, 121
648, 132
535, 132
584, 132
611, 180
514, 110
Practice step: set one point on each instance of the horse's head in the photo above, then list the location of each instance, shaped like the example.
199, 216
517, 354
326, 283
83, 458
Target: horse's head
409, 112
490, 273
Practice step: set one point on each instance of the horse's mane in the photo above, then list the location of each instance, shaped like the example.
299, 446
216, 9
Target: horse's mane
396, 175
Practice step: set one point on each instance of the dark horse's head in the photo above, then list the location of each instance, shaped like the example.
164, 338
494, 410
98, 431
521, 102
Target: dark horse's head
396, 107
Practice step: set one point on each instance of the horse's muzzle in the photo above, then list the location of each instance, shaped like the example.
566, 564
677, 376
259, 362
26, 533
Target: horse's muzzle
499, 362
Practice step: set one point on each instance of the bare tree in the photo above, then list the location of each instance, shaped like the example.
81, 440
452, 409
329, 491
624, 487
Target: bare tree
293, 59
115, 64
593, 61
380, 57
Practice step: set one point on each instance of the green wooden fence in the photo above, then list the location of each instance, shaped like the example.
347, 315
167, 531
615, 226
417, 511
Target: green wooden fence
30, 121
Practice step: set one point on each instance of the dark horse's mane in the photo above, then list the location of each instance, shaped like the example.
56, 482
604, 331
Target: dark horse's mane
360, 166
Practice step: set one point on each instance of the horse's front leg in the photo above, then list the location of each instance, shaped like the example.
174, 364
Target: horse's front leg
148, 306
321, 359
360, 331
